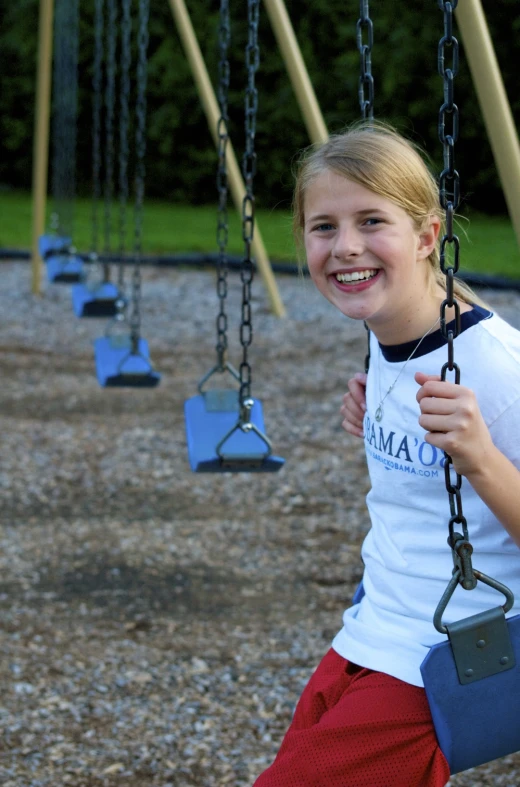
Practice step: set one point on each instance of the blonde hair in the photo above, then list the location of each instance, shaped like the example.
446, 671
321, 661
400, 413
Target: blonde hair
377, 157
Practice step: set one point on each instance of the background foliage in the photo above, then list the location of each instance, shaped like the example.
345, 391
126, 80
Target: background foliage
180, 156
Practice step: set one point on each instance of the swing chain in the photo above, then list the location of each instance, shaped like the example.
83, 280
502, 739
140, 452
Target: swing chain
140, 144
64, 121
366, 80
110, 94
449, 185
249, 169
222, 184
124, 118
367, 356
449, 194
97, 80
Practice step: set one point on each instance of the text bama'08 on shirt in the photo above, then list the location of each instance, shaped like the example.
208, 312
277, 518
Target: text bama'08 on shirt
402, 452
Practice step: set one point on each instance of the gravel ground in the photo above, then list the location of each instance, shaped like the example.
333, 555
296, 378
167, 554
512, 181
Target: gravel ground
157, 625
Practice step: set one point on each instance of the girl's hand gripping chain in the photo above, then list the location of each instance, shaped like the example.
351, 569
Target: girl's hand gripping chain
451, 416
354, 405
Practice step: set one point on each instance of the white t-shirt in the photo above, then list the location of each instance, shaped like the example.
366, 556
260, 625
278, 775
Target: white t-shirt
408, 563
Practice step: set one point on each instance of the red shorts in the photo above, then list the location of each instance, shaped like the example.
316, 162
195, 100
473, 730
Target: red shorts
354, 727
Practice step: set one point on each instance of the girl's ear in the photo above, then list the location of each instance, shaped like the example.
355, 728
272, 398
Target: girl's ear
428, 237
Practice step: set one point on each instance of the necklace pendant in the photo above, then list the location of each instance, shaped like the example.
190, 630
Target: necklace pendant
379, 414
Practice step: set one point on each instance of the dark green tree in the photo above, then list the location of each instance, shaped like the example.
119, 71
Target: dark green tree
180, 155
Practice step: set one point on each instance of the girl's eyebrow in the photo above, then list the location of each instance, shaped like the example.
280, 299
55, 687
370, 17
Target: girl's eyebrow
319, 217
360, 213
371, 211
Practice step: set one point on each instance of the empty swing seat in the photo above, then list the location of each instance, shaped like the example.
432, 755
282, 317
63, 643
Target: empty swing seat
99, 301
63, 268
118, 367
62, 265
209, 417
50, 244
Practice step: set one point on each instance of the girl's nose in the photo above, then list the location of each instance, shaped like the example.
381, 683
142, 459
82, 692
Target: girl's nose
347, 243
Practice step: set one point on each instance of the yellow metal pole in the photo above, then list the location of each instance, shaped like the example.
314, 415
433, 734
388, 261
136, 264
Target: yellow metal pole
493, 102
211, 109
41, 135
297, 70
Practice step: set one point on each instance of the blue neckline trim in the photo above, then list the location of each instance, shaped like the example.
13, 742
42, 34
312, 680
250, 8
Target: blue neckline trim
396, 353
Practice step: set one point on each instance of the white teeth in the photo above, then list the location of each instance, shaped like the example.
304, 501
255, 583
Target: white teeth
355, 276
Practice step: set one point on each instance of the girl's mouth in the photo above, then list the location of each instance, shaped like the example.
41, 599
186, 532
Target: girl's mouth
355, 280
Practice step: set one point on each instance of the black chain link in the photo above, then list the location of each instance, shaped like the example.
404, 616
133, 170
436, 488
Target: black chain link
366, 80
124, 119
222, 183
140, 145
110, 100
449, 186
449, 193
97, 82
248, 203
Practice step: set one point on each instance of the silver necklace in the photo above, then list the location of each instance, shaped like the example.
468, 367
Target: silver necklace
380, 411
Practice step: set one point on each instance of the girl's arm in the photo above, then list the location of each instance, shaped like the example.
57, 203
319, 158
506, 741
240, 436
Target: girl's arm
451, 416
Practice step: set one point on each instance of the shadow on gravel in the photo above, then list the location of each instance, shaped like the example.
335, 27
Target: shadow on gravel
196, 591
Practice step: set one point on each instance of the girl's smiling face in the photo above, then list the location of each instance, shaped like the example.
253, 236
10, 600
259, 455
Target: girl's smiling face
367, 258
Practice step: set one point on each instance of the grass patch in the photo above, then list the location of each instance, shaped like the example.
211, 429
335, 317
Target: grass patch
488, 244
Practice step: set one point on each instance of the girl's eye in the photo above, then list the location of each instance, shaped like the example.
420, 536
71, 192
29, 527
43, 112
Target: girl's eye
373, 221
323, 227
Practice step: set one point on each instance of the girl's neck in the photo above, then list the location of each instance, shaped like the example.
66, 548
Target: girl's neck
419, 320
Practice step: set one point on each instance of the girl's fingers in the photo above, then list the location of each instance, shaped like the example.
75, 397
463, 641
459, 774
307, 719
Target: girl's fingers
352, 428
439, 390
351, 409
357, 390
354, 405
435, 406
439, 423
422, 378
353, 416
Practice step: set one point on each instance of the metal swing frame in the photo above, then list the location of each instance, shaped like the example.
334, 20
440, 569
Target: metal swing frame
482, 62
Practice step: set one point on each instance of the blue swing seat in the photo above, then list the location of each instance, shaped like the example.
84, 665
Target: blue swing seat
99, 301
209, 417
466, 738
118, 367
64, 268
53, 244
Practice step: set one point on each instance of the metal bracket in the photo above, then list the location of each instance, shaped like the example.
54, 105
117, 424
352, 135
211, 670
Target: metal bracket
481, 645
119, 341
221, 400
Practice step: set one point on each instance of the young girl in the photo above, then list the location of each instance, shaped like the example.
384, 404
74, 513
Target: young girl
368, 211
